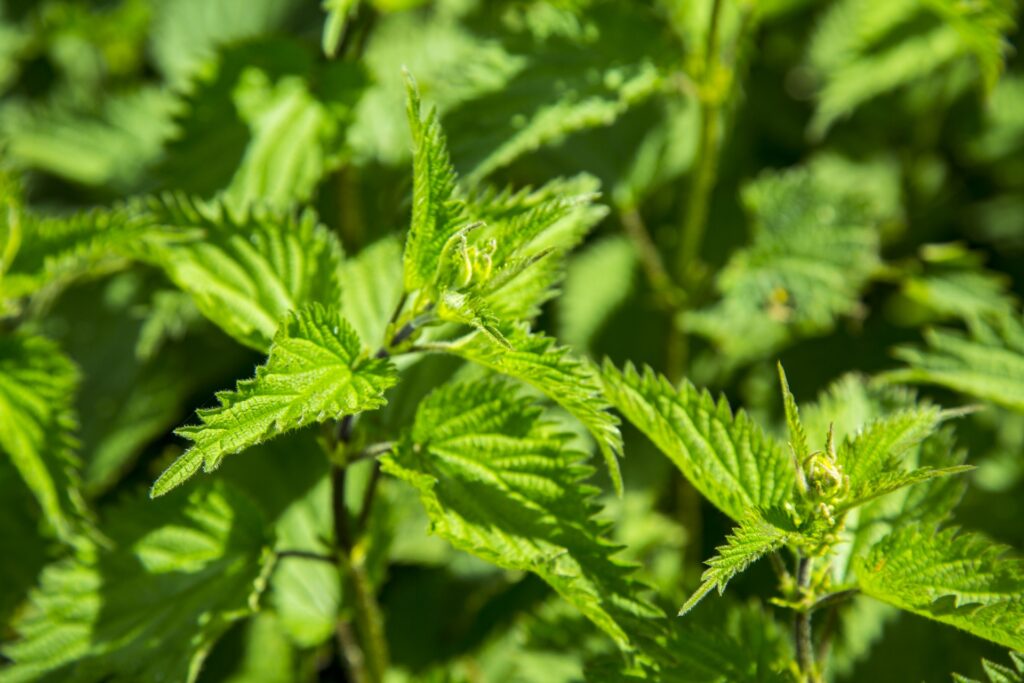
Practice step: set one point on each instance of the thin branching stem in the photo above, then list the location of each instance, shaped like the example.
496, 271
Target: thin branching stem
665, 292
304, 555
833, 599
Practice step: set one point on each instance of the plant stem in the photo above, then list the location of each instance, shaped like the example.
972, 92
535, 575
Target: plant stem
368, 617
802, 625
665, 292
833, 599
367, 655
305, 555
703, 181
368, 494
342, 531
365, 650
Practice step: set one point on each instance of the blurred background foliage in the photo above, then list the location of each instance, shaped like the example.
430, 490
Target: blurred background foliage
821, 182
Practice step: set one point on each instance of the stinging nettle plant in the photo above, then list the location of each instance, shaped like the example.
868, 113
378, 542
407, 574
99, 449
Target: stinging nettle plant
469, 437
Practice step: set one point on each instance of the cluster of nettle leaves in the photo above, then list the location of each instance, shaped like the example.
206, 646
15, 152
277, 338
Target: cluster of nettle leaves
274, 539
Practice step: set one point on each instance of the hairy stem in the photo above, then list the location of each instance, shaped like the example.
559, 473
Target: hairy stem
365, 650
368, 496
368, 616
802, 625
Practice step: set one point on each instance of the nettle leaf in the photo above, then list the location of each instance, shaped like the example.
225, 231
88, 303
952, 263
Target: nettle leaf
318, 370
186, 34
56, 250
703, 649
569, 70
499, 481
890, 482
876, 451
105, 146
706, 642
999, 673
960, 579
37, 425
727, 457
814, 249
526, 236
954, 284
487, 256
245, 270
797, 433
449, 61
20, 540
865, 48
754, 538
149, 609
988, 364
296, 133
915, 490
568, 381
437, 213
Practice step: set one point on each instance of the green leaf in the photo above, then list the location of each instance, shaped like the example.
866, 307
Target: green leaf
727, 457
599, 280
988, 365
706, 642
499, 482
37, 424
960, 579
108, 146
861, 413
527, 236
999, 673
437, 214
889, 482
865, 48
268, 656
438, 46
20, 541
797, 433
814, 248
955, 285
750, 541
57, 250
296, 134
187, 33
245, 270
568, 69
568, 381
878, 448
317, 371
181, 571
